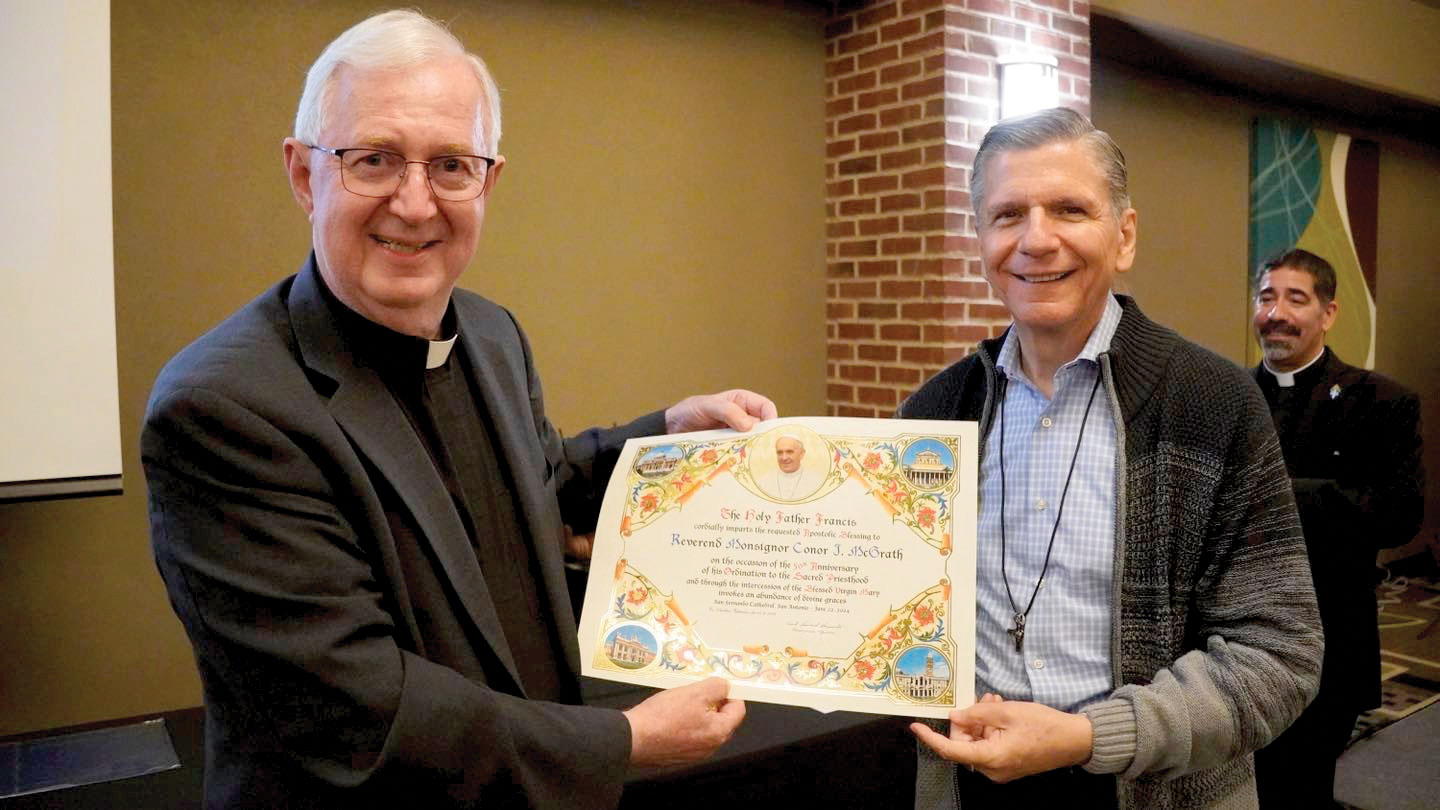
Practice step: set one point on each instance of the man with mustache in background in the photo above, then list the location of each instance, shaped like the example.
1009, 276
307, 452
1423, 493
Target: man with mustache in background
1351, 441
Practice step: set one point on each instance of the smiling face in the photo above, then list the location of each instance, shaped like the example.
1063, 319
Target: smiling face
788, 454
1290, 319
396, 259
1051, 242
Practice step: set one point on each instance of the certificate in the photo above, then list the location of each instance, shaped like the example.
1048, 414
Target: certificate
820, 562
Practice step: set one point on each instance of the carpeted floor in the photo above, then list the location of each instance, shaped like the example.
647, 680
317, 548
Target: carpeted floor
1397, 768
1409, 642
1391, 761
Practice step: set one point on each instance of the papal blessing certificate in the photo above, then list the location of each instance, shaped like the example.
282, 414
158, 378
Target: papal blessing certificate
820, 562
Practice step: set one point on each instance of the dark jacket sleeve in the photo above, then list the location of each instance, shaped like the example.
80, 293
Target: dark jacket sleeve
292, 623
582, 464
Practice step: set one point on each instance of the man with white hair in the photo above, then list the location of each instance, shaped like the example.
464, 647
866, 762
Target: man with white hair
1144, 613
358, 505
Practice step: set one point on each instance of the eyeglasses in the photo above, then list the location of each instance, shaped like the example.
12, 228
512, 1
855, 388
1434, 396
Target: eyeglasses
378, 172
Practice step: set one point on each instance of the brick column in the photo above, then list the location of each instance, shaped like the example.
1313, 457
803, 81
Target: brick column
911, 87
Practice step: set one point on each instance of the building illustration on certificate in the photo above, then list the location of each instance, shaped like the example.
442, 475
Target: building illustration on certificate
822, 563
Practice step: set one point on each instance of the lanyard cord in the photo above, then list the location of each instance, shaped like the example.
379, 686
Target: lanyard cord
1018, 631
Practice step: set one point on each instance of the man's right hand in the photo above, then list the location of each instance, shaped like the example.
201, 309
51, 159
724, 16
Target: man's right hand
683, 725
1008, 739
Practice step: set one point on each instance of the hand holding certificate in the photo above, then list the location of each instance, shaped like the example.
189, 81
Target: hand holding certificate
816, 562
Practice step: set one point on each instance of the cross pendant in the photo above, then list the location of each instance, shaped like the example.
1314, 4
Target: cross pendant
1018, 631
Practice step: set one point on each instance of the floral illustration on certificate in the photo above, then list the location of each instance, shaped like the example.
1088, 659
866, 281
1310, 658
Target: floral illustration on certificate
821, 562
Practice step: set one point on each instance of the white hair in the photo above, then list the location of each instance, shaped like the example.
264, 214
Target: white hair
392, 40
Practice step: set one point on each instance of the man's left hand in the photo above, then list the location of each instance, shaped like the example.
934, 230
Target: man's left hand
736, 408
578, 546
1008, 739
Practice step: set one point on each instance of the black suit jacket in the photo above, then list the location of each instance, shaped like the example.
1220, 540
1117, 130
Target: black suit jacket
1352, 447
341, 623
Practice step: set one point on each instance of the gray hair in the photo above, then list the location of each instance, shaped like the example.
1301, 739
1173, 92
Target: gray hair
1058, 125
388, 41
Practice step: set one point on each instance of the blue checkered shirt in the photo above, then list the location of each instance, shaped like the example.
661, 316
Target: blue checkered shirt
1066, 657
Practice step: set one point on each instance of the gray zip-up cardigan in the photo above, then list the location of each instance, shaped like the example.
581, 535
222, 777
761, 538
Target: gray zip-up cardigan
1215, 639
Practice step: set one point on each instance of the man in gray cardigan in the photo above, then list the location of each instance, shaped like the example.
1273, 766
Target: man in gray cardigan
1145, 617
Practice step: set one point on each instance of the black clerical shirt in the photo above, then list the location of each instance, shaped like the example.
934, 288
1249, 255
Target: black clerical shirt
1290, 408
447, 411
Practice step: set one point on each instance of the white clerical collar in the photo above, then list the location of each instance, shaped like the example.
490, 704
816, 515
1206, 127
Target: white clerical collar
1286, 379
439, 352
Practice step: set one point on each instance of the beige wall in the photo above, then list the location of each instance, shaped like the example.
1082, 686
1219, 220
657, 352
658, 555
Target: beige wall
1188, 152
1383, 44
1189, 182
1407, 301
659, 230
